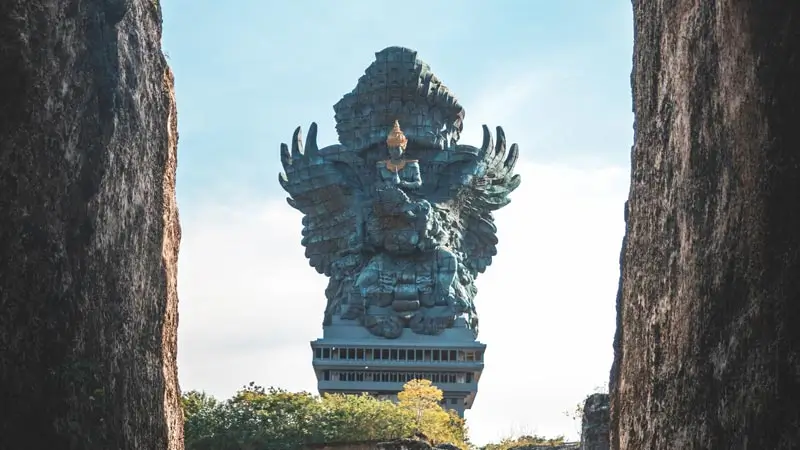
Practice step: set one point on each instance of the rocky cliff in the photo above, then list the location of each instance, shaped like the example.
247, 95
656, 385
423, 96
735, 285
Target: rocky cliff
397, 444
567, 446
708, 341
88, 227
594, 423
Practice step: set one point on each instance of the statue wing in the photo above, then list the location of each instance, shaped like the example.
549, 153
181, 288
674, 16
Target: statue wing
471, 184
323, 185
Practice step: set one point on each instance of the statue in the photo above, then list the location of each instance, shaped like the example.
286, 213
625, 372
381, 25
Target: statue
400, 220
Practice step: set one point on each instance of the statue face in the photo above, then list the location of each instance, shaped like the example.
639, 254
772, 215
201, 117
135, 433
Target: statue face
395, 152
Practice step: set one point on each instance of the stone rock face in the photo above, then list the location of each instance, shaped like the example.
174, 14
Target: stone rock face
567, 446
366, 445
412, 444
708, 340
89, 228
594, 425
405, 444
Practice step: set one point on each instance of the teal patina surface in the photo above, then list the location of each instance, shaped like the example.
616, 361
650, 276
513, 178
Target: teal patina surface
398, 214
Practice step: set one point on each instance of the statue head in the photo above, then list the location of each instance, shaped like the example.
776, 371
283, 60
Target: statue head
396, 141
399, 86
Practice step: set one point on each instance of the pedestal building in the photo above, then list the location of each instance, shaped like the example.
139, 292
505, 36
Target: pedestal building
349, 360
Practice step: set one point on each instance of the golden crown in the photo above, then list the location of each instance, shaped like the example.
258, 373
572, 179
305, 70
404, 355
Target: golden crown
396, 138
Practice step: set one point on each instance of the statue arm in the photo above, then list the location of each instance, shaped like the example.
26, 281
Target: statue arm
416, 178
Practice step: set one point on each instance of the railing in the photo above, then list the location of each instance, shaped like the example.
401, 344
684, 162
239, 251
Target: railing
389, 385
396, 363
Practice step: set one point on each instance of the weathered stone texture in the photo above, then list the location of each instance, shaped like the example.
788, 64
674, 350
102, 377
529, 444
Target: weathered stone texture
594, 423
708, 341
397, 444
89, 230
343, 446
412, 444
566, 446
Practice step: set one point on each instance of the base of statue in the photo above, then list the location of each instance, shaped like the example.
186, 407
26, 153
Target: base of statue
349, 359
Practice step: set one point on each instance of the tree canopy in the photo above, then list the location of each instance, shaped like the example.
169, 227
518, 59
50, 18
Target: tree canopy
274, 419
525, 442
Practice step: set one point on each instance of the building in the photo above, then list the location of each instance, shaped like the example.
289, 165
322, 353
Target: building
349, 360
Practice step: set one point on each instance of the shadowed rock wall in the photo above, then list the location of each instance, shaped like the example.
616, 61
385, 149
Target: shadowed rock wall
594, 423
89, 228
708, 340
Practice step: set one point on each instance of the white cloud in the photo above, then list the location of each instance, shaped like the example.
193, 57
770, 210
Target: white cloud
547, 304
250, 303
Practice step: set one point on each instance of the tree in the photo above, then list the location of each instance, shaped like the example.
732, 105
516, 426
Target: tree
362, 417
423, 399
195, 402
444, 426
201, 419
254, 418
273, 419
419, 396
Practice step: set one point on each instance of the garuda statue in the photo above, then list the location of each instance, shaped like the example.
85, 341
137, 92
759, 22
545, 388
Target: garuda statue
399, 215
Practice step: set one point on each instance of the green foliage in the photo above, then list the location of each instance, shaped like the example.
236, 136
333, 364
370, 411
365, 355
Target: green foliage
442, 427
421, 398
523, 441
202, 417
361, 418
273, 419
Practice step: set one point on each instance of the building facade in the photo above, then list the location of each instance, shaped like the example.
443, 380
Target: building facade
349, 360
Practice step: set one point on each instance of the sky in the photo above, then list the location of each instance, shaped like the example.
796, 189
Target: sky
554, 74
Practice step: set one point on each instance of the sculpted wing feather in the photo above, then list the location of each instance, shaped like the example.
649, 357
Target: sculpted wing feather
474, 183
319, 186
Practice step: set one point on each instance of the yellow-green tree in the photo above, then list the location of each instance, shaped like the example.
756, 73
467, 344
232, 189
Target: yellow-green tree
423, 399
419, 396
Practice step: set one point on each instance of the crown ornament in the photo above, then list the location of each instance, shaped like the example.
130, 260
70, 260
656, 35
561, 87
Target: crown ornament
396, 138
399, 87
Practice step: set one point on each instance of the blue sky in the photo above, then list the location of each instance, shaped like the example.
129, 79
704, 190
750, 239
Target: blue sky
554, 74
